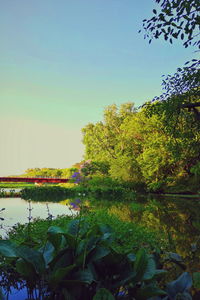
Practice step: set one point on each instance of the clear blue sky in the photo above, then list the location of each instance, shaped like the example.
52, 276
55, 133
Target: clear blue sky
61, 63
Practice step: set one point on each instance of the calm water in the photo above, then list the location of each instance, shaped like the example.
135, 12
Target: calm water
17, 211
178, 218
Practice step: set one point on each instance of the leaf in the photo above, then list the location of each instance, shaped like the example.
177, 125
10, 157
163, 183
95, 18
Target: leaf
55, 230
84, 276
25, 269
103, 294
32, 256
131, 257
180, 285
175, 257
196, 279
55, 236
74, 227
150, 270
48, 252
160, 272
8, 248
63, 259
98, 253
140, 264
149, 291
60, 274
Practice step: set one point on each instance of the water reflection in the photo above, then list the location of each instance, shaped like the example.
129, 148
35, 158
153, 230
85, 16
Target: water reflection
16, 211
177, 218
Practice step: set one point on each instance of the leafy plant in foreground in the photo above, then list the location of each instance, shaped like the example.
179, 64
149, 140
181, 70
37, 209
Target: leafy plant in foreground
79, 262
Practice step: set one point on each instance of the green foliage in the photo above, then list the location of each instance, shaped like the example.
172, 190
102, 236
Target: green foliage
53, 193
127, 233
14, 185
155, 186
178, 20
102, 188
196, 169
196, 279
50, 172
142, 148
89, 168
79, 262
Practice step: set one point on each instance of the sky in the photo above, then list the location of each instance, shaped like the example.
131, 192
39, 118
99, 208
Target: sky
61, 63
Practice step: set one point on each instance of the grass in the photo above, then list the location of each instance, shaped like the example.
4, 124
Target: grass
14, 185
128, 236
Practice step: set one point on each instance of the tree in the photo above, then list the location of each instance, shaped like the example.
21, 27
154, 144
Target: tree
175, 19
178, 19
102, 139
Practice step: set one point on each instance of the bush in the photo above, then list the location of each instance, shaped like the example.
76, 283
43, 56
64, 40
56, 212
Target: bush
79, 262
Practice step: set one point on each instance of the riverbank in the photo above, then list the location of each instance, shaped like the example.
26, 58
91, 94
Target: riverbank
57, 193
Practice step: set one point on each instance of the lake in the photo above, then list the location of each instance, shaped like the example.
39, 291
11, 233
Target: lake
17, 211
178, 218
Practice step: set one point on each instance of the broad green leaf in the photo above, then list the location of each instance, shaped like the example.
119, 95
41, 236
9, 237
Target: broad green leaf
196, 280
63, 259
125, 278
60, 274
140, 264
25, 269
98, 253
131, 257
104, 228
175, 257
180, 285
56, 230
55, 240
48, 252
149, 291
150, 269
32, 256
8, 248
93, 241
160, 272
103, 294
84, 276
74, 227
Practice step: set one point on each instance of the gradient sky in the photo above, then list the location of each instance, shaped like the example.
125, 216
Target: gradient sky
61, 63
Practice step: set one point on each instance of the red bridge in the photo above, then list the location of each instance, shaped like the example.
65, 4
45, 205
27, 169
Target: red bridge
33, 179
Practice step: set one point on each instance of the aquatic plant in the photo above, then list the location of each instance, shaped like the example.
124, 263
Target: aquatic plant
79, 262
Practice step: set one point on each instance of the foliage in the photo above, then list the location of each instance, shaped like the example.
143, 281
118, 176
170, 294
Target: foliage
115, 191
196, 169
100, 139
44, 193
49, 172
79, 262
176, 19
15, 185
89, 168
127, 233
146, 151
